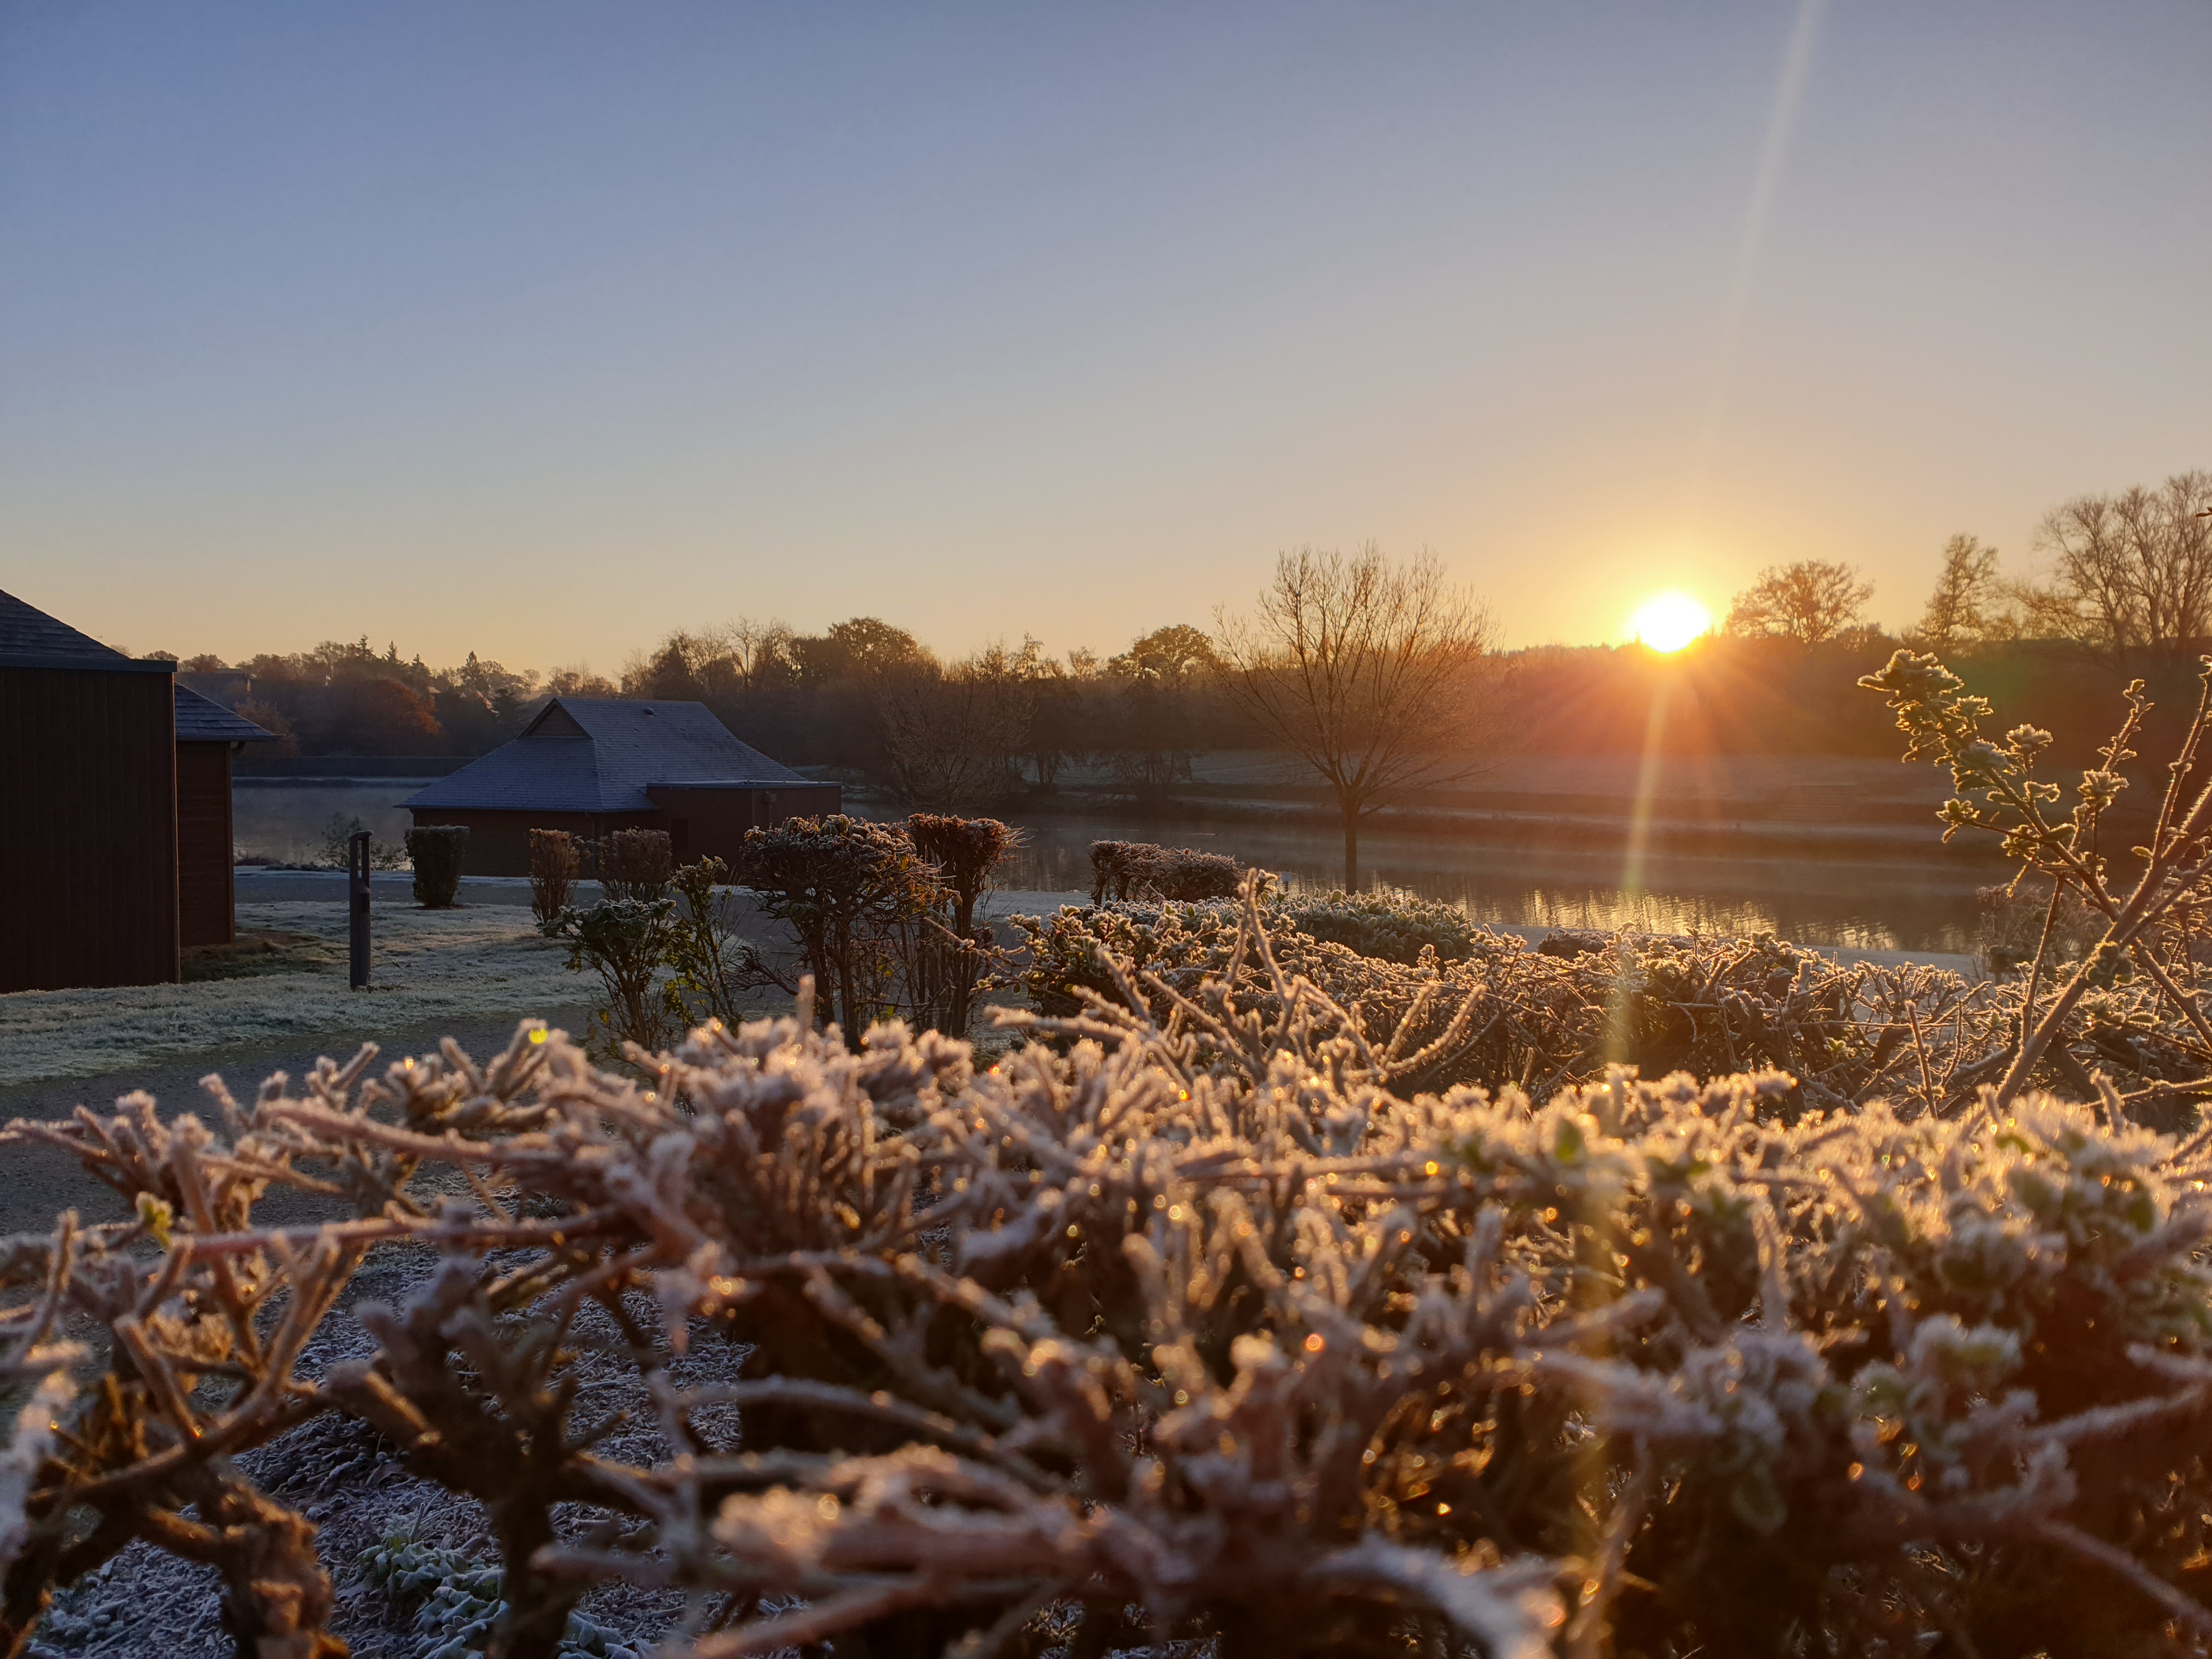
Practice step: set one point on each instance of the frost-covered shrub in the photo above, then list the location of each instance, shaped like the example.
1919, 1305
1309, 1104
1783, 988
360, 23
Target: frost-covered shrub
437, 851
846, 887
458, 1602
1846, 1032
946, 960
555, 864
1139, 870
712, 966
2141, 911
1397, 926
626, 942
636, 863
2014, 916
1185, 1325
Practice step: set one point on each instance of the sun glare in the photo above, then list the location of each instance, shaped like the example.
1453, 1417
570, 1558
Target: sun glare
1668, 621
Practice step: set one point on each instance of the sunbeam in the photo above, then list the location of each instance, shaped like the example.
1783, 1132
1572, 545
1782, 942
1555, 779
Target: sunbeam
1781, 122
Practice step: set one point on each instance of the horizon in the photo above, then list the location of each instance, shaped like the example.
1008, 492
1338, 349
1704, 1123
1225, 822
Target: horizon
540, 333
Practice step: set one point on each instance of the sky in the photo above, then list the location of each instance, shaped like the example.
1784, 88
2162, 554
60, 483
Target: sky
540, 329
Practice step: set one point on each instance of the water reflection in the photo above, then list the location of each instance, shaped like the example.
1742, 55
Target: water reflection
1926, 906
289, 822
1923, 906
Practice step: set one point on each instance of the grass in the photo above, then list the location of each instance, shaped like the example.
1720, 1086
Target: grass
267, 950
428, 966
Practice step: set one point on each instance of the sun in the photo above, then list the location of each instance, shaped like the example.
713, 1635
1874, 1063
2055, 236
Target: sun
1668, 621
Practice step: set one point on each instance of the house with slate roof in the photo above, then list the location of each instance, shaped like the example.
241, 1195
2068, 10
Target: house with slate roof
115, 826
591, 765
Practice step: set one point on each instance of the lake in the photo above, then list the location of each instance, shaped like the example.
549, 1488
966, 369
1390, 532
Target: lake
1918, 905
288, 820
1922, 904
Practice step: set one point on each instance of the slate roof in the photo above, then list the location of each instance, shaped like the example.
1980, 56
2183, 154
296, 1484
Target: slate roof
30, 638
202, 720
601, 755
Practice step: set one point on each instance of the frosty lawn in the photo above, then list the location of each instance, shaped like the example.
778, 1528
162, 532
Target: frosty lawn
430, 965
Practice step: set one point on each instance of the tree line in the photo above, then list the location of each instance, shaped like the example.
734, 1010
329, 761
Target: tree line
1380, 677
2127, 575
2124, 583
341, 699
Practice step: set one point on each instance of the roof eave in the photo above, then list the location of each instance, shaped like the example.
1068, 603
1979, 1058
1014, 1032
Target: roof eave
85, 665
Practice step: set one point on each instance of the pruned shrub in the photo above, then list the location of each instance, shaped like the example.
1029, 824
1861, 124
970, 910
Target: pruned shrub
1139, 870
555, 864
437, 851
634, 864
846, 887
1397, 926
2014, 916
967, 853
1847, 1032
947, 960
1196, 1328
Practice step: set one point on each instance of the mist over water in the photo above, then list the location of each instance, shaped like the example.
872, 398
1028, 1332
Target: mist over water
288, 822
1918, 906
1922, 905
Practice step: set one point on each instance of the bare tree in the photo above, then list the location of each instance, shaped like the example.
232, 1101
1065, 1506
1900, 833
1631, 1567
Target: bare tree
759, 653
2130, 572
1811, 601
1368, 671
954, 738
1968, 604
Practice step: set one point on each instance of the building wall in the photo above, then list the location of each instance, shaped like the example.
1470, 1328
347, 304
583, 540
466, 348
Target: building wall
207, 912
701, 821
499, 843
87, 828
707, 821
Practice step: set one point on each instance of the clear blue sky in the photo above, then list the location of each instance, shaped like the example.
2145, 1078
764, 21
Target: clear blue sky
539, 328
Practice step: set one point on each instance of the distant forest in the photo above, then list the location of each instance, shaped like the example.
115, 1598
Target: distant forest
2128, 592
1144, 716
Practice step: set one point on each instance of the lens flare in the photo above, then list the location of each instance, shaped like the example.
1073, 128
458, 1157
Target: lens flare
1668, 621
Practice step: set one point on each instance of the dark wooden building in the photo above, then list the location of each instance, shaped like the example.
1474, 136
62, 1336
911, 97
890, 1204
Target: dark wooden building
90, 760
589, 765
208, 735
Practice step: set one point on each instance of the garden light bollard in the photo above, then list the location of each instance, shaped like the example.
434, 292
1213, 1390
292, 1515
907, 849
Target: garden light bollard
357, 905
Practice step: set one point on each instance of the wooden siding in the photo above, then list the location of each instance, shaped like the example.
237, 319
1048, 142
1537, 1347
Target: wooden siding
702, 821
499, 843
710, 820
207, 911
87, 828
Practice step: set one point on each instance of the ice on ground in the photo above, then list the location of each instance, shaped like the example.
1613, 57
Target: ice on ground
427, 965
